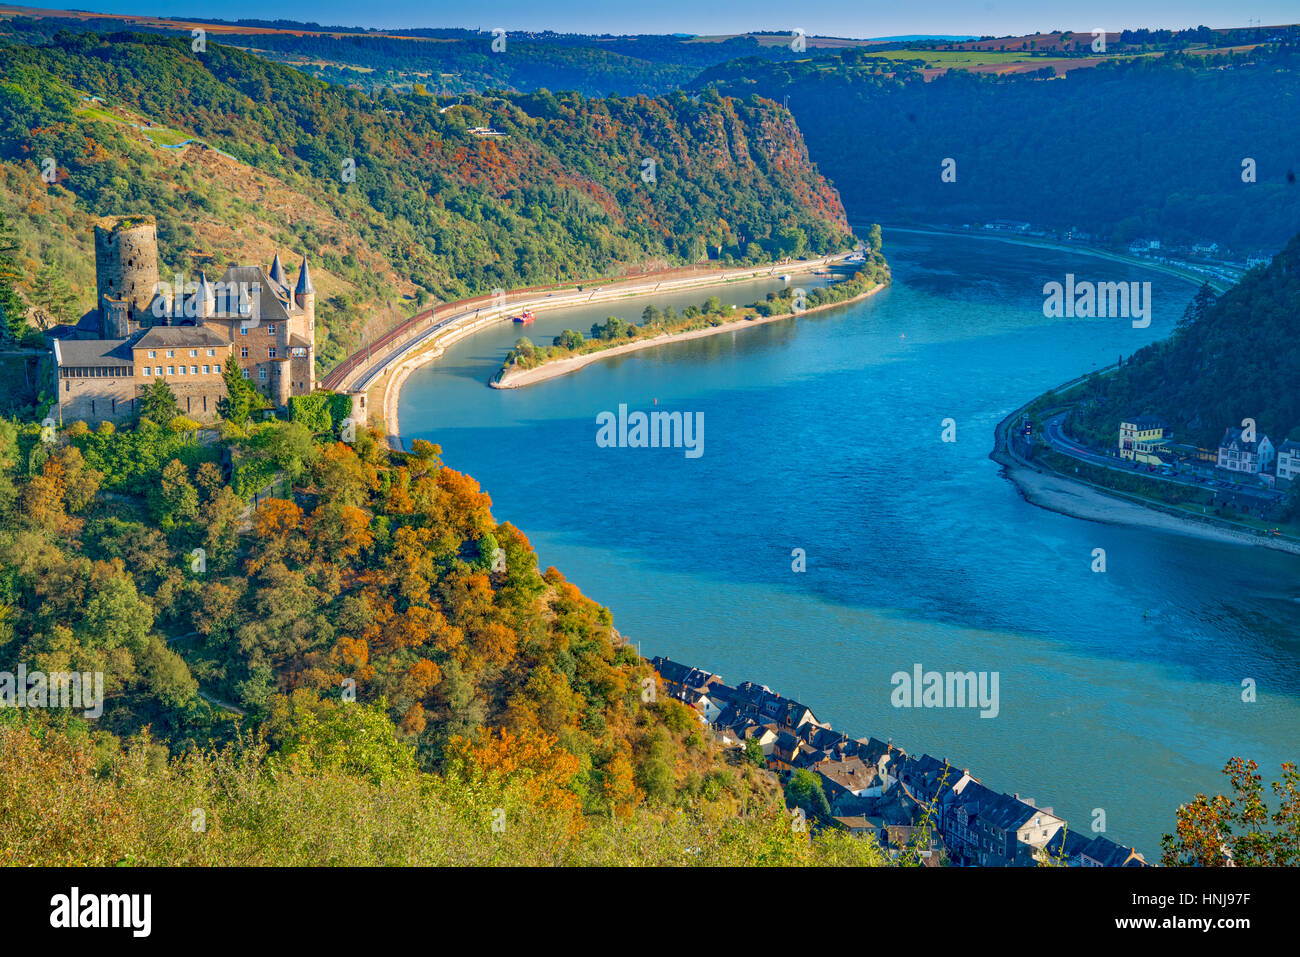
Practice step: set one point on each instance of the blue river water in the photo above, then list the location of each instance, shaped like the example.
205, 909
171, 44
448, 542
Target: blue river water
1120, 691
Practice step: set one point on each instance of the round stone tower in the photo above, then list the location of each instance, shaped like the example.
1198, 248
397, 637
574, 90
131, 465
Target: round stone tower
126, 271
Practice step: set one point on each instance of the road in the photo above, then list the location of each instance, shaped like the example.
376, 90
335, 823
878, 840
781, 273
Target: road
1060, 442
361, 379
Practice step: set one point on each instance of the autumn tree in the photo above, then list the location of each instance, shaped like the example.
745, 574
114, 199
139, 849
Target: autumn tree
1239, 829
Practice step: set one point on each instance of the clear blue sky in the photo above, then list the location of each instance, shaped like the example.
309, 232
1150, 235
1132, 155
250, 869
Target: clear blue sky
850, 18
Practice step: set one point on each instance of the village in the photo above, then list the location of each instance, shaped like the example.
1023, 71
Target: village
918, 805
1245, 471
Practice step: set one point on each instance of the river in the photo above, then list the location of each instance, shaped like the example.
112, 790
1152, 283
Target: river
1119, 691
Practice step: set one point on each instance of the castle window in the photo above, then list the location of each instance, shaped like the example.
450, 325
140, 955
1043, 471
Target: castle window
194, 370
243, 352
152, 354
171, 370
171, 353
194, 353
272, 353
270, 328
148, 371
182, 368
243, 330
212, 352
261, 373
245, 371
207, 369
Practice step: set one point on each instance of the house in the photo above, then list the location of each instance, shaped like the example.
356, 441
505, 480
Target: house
897, 839
1288, 460
983, 827
1238, 455
1079, 850
789, 752
926, 780
682, 679
1140, 438
858, 825
849, 776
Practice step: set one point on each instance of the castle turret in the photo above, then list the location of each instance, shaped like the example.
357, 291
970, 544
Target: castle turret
277, 271
205, 299
305, 290
126, 272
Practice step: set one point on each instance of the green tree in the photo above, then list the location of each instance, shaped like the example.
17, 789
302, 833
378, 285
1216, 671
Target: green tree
804, 789
569, 339
13, 322
173, 499
158, 403
55, 301
240, 398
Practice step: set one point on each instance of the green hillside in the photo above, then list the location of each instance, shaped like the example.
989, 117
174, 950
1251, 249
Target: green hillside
395, 194
1238, 358
1143, 147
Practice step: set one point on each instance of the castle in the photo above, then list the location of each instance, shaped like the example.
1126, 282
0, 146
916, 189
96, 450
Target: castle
142, 329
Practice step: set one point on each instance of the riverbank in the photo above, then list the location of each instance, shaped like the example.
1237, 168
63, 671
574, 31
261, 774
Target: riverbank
383, 382
1186, 274
519, 378
1055, 492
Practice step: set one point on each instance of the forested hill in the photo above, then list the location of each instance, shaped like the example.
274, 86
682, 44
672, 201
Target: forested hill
456, 60
560, 194
1148, 147
1232, 359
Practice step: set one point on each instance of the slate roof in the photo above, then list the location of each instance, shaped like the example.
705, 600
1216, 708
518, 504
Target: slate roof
93, 353
179, 337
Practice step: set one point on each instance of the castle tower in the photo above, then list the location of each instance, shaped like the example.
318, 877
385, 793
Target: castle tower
305, 295
205, 300
126, 271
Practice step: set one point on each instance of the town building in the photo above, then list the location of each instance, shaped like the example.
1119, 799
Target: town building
1078, 850
1141, 438
1288, 460
143, 329
1238, 455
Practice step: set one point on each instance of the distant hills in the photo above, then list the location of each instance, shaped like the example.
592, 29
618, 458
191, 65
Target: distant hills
1148, 146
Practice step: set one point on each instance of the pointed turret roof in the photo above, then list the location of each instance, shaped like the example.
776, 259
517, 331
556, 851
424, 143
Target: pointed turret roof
277, 271
305, 288
206, 296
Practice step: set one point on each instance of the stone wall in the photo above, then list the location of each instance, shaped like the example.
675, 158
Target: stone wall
97, 399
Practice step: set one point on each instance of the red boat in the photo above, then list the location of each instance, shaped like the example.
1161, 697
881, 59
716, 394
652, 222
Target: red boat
526, 317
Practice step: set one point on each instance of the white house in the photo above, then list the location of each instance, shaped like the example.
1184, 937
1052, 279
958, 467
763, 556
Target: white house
1288, 460
1238, 455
